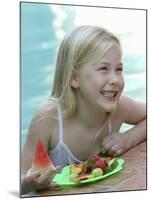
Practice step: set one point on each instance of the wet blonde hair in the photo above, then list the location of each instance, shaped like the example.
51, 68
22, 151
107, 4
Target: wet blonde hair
78, 47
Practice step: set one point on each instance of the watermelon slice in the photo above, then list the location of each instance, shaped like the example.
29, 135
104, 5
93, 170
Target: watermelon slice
42, 161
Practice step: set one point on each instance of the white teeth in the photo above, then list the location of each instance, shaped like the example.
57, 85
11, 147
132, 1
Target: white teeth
108, 93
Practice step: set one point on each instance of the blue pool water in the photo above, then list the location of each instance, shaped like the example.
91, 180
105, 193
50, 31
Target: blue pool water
42, 28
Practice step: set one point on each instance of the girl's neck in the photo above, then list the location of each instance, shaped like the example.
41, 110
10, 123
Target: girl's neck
90, 116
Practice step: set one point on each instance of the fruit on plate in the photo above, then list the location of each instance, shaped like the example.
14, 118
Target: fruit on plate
96, 161
97, 172
95, 157
100, 164
80, 168
84, 177
73, 177
75, 169
95, 166
41, 160
91, 161
111, 164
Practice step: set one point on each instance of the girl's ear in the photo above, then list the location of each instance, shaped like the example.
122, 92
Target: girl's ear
74, 80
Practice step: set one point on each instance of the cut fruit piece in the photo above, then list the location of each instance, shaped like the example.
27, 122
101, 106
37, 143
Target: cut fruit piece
95, 157
75, 169
84, 177
100, 164
42, 160
112, 164
97, 172
91, 161
80, 168
73, 177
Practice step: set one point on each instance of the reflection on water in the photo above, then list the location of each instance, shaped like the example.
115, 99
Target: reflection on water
42, 28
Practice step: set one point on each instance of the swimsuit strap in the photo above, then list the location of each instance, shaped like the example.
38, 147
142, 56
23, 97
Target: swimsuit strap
60, 119
109, 126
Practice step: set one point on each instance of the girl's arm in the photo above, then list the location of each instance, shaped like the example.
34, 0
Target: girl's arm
130, 112
39, 129
135, 113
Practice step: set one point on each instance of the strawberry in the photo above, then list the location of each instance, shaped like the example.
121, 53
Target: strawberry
91, 162
95, 157
100, 164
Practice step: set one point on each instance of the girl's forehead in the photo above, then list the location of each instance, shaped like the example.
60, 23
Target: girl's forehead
113, 53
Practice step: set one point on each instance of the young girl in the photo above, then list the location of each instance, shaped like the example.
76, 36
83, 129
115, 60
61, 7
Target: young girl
86, 108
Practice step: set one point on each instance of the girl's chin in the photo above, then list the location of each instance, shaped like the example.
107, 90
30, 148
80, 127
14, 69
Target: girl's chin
109, 107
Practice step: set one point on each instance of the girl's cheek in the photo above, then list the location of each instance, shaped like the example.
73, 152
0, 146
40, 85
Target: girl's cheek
101, 77
122, 85
101, 80
123, 82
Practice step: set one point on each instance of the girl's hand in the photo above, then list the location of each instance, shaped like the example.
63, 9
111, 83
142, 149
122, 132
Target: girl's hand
41, 180
115, 144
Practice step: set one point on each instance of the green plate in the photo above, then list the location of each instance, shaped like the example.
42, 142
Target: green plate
62, 179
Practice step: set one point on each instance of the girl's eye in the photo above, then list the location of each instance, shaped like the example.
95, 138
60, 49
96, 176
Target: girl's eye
103, 69
120, 69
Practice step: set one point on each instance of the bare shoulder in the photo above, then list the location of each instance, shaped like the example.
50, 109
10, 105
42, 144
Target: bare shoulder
48, 109
44, 119
131, 111
42, 123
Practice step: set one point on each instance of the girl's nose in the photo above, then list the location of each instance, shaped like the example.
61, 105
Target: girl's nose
113, 78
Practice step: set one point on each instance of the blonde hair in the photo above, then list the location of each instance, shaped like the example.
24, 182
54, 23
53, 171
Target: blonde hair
78, 47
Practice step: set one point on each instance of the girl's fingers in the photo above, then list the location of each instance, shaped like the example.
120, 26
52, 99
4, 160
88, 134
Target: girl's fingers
53, 186
107, 139
40, 180
113, 149
58, 167
118, 152
106, 147
48, 175
32, 175
45, 177
103, 150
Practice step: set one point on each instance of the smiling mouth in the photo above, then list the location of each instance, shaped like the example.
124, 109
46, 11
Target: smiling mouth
109, 93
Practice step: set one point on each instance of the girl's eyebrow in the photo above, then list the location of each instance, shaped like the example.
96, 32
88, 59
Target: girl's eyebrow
101, 63
107, 63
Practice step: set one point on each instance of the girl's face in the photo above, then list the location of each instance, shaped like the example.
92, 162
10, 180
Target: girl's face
101, 83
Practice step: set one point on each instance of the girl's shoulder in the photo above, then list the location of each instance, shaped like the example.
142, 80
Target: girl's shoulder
131, 110
46, 114
126, 103
48, 109
41, 126
123, 101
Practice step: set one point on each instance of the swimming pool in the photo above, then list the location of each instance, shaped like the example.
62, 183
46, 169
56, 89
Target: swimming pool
42, 28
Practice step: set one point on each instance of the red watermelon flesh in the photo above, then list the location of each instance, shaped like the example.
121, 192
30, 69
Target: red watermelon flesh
41, 159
